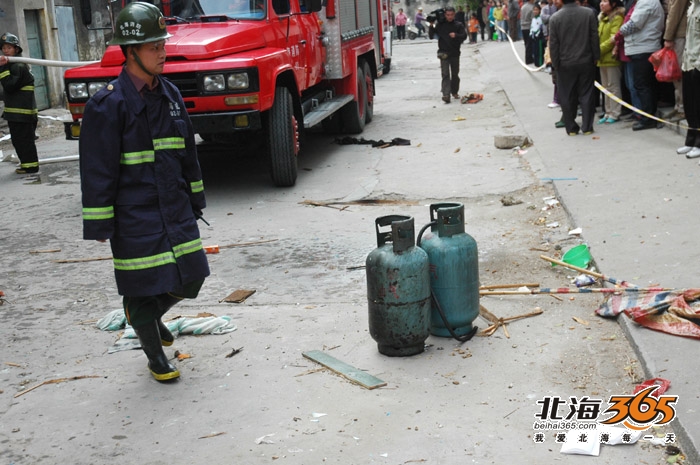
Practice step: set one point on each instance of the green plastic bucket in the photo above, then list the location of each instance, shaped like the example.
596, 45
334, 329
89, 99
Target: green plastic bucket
579, 256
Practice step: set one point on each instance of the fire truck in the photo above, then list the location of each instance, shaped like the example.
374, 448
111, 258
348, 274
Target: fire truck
266, 69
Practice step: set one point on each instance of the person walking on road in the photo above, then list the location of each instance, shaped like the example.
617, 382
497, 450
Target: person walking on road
20, 104
450, 34
691, 81
574, 49
142, 185
418, 21
400, 20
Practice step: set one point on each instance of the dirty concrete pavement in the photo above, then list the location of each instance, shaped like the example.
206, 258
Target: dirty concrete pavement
454, 403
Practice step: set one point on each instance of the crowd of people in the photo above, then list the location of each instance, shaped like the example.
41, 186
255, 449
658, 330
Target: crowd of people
611, 41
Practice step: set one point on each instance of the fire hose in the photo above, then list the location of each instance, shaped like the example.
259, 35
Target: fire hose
41, 62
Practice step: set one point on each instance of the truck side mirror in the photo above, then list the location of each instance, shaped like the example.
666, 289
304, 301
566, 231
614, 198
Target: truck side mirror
315, 5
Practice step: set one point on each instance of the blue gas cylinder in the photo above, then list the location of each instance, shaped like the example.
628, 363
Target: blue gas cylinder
454, 271
398, 289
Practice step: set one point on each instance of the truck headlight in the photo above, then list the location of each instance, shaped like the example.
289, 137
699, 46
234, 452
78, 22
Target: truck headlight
95, 87
78, 90
238, 81
84, 90
225, 81
214, 83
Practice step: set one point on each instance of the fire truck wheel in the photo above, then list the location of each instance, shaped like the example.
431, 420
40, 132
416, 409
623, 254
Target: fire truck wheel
369, 92
353, 114
283, 139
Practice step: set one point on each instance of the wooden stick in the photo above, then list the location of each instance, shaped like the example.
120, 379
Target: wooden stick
80, 260
56, 381
566, 290
45, 251
580, 270
245, 244
507, 286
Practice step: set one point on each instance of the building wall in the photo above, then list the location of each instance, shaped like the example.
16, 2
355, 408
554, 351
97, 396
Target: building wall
91, 38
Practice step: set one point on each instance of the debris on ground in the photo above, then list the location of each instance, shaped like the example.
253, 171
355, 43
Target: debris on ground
347, 140
238, 296
347, 371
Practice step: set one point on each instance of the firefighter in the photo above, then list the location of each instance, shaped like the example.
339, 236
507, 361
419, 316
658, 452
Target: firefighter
142, 185
20, 105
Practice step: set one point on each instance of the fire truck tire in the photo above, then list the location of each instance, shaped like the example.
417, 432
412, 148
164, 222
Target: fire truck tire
369, 92
353, 114
283, 139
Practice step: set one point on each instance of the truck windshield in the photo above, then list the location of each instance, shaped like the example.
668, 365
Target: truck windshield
194, 9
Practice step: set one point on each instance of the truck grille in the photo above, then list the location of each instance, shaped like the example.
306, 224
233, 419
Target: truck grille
185, 82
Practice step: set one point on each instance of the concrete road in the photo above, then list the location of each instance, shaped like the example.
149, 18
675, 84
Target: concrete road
454, 403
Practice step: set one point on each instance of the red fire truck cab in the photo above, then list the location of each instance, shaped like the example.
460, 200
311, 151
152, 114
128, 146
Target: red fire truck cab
269, 68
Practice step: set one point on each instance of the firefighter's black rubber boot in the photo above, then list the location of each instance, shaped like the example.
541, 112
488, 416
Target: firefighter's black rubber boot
158, 364
166, 337
165, 303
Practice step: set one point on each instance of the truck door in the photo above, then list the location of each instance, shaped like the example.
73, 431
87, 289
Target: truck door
312, 49
294, 40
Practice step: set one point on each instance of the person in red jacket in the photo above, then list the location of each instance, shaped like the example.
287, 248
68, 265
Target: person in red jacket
142, 185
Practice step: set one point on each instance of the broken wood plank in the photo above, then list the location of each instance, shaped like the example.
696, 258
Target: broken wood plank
239, 296
347, 371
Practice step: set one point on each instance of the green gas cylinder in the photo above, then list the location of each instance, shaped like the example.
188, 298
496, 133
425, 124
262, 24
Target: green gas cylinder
454, 272
398, 289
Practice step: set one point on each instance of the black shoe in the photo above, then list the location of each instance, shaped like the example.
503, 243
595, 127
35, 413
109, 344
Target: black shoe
158, 364
446, 98
640, 126
26, 170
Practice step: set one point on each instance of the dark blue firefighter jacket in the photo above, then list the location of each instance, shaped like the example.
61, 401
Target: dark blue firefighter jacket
141, 183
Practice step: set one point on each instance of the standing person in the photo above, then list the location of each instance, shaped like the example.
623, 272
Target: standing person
20, 105
691, 81
400, 20
526, 23
612, 13
513, 13
537, 39
642, 34
674, 39
493, 22
418, 21
142, 185
574, 48
460, 15
500, 22
473, 28
483, 17
450, 36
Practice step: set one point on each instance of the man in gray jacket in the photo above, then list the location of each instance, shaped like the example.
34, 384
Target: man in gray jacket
525, 22
642, 35
574, 49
